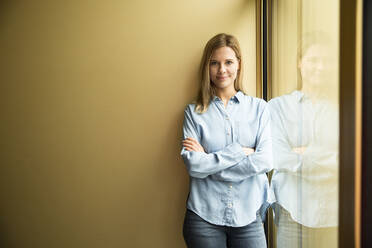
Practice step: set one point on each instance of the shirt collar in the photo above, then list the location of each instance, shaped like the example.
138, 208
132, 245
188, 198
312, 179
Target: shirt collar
237, 97
300, 96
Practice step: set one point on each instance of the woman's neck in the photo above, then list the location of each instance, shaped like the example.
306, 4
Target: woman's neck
225, 94
311, 91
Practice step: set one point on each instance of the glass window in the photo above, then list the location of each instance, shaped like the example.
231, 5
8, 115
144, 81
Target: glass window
305, 122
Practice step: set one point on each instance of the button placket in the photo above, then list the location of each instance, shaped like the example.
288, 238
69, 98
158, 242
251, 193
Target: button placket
229, 203
228, 126
227, 119
231, 133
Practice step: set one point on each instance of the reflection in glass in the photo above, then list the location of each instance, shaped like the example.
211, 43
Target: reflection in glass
305, 151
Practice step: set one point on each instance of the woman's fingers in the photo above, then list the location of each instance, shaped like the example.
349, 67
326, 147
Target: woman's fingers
248, 150
189, 145
191, 148
192, 145
190, 141
299, 150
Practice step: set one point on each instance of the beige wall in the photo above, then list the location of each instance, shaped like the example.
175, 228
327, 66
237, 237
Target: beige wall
92, 99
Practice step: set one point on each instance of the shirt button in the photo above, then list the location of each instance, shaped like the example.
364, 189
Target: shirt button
228, 133
230, 186
230, 205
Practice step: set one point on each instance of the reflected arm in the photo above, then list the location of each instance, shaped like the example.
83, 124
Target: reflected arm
315, 161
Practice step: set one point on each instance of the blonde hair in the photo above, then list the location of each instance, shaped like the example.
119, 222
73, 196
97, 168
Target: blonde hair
207, 89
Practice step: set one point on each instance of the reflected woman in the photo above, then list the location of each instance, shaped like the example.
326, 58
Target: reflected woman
305, 152
227, 151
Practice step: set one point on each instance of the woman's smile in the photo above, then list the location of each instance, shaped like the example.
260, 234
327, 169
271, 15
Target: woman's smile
222, 77
223, 68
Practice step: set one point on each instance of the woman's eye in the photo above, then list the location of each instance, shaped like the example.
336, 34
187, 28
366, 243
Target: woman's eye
229, 62
213, 63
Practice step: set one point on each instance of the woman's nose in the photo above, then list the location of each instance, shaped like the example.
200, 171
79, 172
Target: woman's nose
222, 68
320, 66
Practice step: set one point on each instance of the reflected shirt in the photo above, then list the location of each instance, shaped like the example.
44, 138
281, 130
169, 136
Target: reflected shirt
306, 184
227, 187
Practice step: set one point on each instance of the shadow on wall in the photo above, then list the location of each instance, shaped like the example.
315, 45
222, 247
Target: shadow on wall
5, 8
4, 236
175, 168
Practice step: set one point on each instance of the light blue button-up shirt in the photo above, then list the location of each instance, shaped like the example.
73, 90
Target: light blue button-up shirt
228, 187
305, 184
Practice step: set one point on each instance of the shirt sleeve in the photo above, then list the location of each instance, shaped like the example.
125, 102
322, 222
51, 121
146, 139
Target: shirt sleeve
317, 162
201, 164
257, 163
320, 164
284, 159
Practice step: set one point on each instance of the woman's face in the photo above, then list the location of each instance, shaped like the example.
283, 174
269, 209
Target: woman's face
313, 66
223, 67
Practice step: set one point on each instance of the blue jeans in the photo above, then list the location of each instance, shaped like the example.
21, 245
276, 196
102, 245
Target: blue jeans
290, 234
199, 233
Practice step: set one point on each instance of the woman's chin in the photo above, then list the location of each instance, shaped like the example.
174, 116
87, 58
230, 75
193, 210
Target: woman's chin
223, 85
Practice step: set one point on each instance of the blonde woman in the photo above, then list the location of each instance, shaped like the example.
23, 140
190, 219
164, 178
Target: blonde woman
304, 127
227, 151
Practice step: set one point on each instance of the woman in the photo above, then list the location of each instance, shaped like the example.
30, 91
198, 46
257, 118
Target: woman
305, 150
227, 151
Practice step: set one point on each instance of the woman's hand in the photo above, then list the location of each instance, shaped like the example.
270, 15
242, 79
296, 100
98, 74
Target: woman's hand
248, 150
191, 144
299, 150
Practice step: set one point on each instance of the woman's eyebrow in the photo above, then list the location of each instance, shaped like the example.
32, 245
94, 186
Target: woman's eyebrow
224, 59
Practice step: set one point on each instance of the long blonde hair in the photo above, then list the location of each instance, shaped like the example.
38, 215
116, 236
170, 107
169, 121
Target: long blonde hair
207, 89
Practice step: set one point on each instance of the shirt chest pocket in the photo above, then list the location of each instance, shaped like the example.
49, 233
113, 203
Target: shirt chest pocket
246, 133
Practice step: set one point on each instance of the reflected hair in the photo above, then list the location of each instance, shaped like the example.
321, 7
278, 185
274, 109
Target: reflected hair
207, 89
